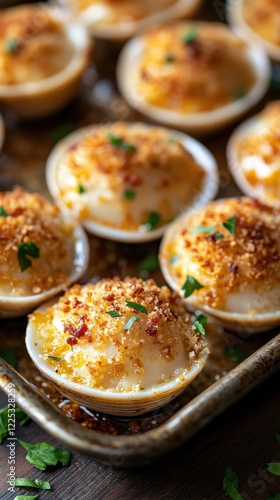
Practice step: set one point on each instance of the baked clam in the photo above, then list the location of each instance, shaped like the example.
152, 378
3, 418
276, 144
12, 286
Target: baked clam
41, 253
253, 153
196, 76
43, 53
225, 260
119, 20
120, 347
257, 21
127, 181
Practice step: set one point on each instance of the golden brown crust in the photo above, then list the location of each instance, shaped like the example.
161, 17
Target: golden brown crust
250, 257
122, 11
33, 45
30, 218
81, 316
206, 72
263, 17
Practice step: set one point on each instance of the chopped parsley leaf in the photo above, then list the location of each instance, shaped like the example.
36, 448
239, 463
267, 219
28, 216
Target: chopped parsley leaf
190, 285
28, 483
81, 189
43, 454
199, 323
19, 414
137, 307
169, 58
274, 468
26, 497
230, 484
114, 314
131, 322
230, 224
149, 263
190, 35
129, 194
54, 358
25, 249
3, 212
12, 45
203, 229
153, 220
120, 143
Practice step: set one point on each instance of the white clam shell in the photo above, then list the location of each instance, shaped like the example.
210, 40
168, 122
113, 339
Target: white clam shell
11, 307
44, 97
202, 156
234, 14
122, 404
242, 323
197, 123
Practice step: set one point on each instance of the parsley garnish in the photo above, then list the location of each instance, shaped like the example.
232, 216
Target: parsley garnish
26, 497
19, 414
149, 263
81, 189
43, 454
28, 483
131, 322
12, 45
174, 259
169, 58
274, 497
25, 249
3, 212
153, 220
203, 229
190, 35
230, 484
114, 314
120, 143
9, 356
190, 285
137, 307
218, 236
236, 353
274, 468
230, 224
240, 93
199, 323
129, 194
54, 358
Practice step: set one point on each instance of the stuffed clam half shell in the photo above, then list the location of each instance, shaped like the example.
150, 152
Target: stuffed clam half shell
225, 260
120, 347
41, 252
127, 181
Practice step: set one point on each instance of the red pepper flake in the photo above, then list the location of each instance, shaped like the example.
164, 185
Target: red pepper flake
81, 331
71, 341
152, 330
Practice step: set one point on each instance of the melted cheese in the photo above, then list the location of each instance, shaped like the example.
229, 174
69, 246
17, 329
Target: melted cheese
159, 346
30, 218
263, 17
259, 155
33, 45
207, 72
121, 187
239, 272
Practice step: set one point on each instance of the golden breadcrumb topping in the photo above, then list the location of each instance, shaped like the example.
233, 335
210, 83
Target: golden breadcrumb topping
33, 45
193, 68
32, 236
228, 247
259, 154
108, 344
263, 17
118, 175
121, 11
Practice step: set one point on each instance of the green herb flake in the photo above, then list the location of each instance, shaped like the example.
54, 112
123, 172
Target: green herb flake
203, 229
43, 454
120, 143
81, 189
169, 58
276, 496
149, 263
274, 468
137, 307
230, 484
240, 93
190, 35
152, 221
3, 212
28, 483
26, 497
19, 415
129, 194
54, 358
218, 236
12, 45
236, 353
230, 224
114, 314
25, 249
131, 322
174, 259
9, 356
190, 285
199, 323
